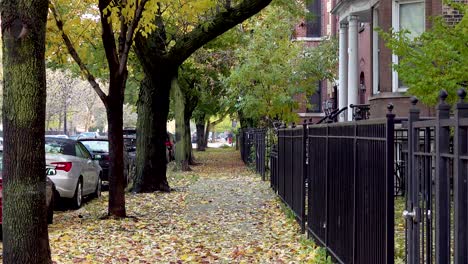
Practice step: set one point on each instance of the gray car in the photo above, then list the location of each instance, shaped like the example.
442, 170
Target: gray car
78, 174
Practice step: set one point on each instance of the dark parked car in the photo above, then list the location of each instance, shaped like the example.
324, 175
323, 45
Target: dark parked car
130, 135
99, 148
50, 192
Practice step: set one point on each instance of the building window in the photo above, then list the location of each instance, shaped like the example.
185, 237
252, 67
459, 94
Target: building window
314, 18
315, 100
409, 15
375, 52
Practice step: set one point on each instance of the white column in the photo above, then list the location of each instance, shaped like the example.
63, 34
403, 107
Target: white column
343, 69
353, 64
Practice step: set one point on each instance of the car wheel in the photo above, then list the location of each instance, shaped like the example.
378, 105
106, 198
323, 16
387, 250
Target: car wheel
98, 191
78, 197
50, 210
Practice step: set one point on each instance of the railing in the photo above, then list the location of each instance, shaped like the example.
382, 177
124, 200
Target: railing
351, 188
345, 178
274, 173
260, 151
291, 169
253, 142
437, 201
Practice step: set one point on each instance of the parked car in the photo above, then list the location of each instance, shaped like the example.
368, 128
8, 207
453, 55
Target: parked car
56, 136
50, 192
88, 135
130, 135
78, 172
99, 147
129, 131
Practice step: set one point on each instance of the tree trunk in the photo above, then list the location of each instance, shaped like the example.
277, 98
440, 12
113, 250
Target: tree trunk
25, 235
207, 133
153, 108
201, 138
188, 141
181, 148
114, 109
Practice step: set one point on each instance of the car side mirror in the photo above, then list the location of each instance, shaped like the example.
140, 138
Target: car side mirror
51, 172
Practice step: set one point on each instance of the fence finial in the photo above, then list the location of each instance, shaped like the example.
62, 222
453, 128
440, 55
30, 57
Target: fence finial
443, 95
283, 125
304, 122
293, 124
390, 108
462, 94
310, 120
414, 100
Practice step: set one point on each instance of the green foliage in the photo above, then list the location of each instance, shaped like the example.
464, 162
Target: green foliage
273, 74
435, 60
225, 125
213, 63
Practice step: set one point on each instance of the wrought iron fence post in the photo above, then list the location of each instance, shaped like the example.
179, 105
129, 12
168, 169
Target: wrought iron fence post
460, 181
304, 172
390, 203
412, 245
442, 186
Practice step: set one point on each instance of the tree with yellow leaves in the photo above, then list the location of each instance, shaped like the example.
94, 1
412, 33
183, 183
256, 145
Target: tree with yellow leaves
125, 15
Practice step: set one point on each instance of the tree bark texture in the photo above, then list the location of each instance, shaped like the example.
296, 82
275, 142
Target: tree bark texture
207, 132
153, 108
201, 141
181, 148
114, 110
188, 141
25, 235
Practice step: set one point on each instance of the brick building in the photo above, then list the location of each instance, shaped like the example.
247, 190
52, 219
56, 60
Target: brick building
365, 71
311, 31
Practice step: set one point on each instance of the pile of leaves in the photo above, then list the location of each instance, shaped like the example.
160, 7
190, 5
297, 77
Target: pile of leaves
218, 213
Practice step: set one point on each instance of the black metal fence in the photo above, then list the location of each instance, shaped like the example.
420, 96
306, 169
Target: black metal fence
290, 183
351, 189
437, 201
253, 148
341, 180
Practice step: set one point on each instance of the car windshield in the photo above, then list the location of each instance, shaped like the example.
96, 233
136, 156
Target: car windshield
88, 134
96, 146
58, 146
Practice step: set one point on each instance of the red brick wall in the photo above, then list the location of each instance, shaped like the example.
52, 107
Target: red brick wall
452, 16
365, 59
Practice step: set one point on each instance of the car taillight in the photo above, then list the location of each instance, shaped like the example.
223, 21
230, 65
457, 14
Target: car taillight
105, 157
65, 166
168, 144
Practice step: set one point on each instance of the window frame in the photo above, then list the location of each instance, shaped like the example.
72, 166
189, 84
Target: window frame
319, 105
396, 25
314, 16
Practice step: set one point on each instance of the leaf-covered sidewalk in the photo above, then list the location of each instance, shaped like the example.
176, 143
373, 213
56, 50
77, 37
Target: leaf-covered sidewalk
220, 212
